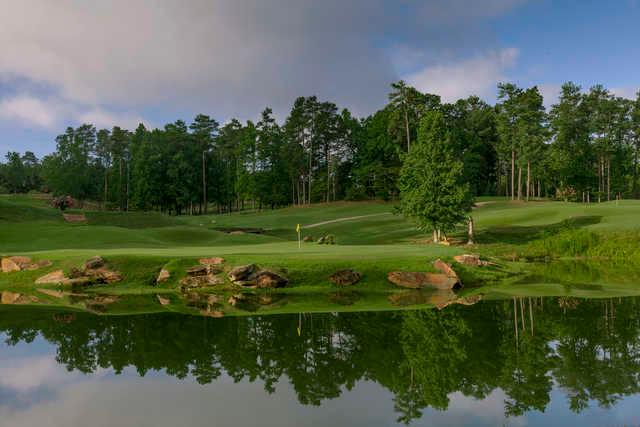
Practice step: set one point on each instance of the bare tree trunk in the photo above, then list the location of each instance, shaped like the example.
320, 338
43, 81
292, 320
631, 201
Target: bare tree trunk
121, 201
106, 188
435, 236
528, 179
513, 174
608, 179
519, 183
470, 231
204, 181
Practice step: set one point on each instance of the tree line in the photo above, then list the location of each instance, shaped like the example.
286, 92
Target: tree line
584, 148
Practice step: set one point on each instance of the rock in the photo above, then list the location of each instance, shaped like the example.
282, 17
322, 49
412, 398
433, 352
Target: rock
308, 239
200, 281
270, 279
22, 261
37, 265
163, 276
345, 277
445, 269
52, 293
470, 260
197, 270
329, 239
419, 280
237, 232
213, 299
321, 241
10, 297
242, 273
8, 265
104, 275
52, 278
163, 301
94, 263
211, 261
78, 281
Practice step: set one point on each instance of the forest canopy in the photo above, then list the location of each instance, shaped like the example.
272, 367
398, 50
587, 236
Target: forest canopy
585, 146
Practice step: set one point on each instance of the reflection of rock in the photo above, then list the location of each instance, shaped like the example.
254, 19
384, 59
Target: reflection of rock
345, 277
470, 260
252, 302
163, 301
53, 278
344, 298
52, 293
438, 298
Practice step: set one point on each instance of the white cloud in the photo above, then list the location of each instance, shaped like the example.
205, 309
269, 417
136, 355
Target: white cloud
476, 76
550, 93
626, 92
227, 57
101, 118
29, 110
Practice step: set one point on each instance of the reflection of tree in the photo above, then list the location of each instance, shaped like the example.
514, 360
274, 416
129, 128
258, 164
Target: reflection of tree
590, 349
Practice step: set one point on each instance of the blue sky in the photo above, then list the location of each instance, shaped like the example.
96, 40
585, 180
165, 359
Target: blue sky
122, 62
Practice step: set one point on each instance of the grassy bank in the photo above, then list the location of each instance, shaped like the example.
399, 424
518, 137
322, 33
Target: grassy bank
370, 239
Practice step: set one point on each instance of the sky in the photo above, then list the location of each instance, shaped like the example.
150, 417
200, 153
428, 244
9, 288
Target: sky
122, 62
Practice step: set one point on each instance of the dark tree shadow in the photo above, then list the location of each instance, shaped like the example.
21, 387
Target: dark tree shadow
520, 234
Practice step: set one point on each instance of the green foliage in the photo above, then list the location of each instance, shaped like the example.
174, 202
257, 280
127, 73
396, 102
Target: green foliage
432, 190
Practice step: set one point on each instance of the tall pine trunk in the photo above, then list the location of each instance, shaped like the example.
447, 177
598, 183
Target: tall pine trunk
204, 182
519, 183
513, 174
406, 127
528, 179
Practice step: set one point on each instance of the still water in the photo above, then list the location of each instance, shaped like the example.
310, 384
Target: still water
520, 362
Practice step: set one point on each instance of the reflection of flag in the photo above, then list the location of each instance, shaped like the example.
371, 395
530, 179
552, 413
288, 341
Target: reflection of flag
299, 331
298, 228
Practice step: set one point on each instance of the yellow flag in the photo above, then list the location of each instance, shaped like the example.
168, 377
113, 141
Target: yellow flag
298, 228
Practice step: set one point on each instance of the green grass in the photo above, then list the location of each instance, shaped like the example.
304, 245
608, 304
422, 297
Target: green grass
377, 241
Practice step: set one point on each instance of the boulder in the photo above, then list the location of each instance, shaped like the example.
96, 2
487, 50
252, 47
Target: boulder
243, 272
163, 276
308, 239
197, 270
163, 301
470, 260
79, 281
94, 263
37, 265
346, 277
201, 281
211, 261
420, 280
104, 275
22, 261
270, 279
52, 278
10, 297
9, 265
445, 269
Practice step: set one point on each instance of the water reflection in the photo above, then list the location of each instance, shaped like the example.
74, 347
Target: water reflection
515, 355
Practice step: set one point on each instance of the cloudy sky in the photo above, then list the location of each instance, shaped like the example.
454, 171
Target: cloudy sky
122, 62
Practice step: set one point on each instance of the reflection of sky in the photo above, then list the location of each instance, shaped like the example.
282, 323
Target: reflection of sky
36, 391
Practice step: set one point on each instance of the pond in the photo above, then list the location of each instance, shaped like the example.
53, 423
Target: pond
515, 361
